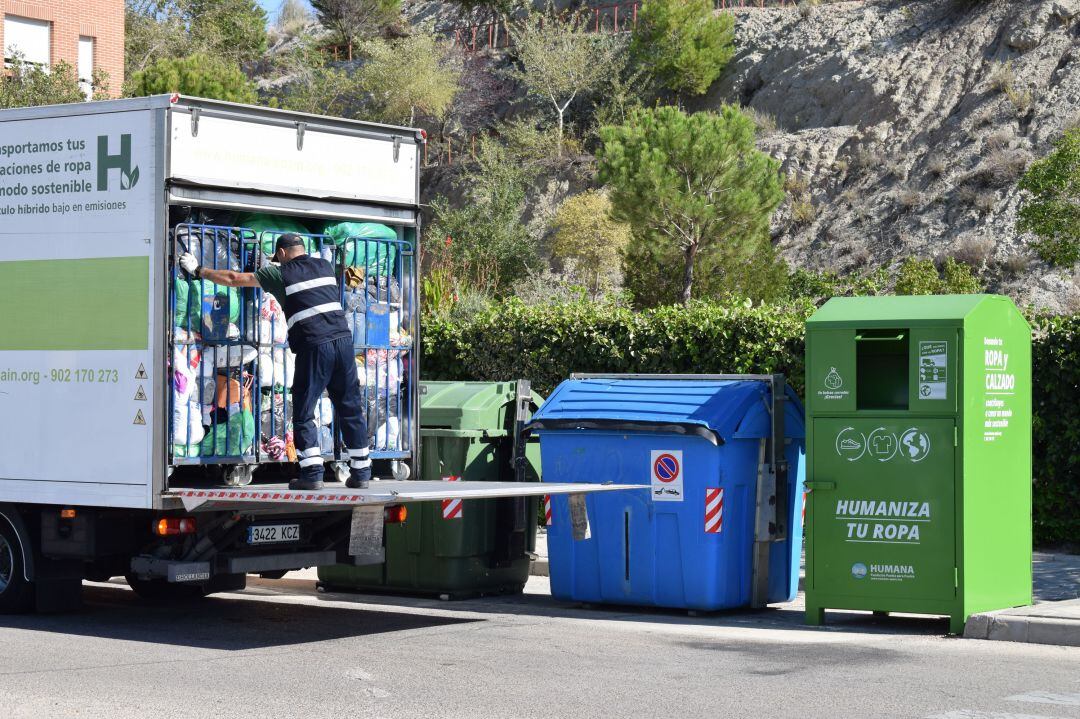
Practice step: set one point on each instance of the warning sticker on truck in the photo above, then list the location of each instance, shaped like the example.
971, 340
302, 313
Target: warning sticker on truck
933, 370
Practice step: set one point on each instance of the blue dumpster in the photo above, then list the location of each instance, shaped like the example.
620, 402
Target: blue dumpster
720, 526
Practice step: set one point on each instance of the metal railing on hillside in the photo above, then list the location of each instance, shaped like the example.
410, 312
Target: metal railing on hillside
614, 19
611, 19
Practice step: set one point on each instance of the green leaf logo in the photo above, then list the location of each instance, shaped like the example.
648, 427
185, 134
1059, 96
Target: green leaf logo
129, 179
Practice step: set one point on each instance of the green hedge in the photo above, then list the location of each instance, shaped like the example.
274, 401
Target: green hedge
547, 343
1056, 429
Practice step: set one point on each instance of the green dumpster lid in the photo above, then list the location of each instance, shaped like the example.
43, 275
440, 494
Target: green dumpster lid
906, 310
469, 405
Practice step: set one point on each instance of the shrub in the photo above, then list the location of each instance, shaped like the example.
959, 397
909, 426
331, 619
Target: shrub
587, 235
1002, 77
820, 286
803, 211
1050, 208
353, 20
1001, 139
764, 122
796, 184
1015, 264
985, 201
909, 198
234, 30
404, 77
1001, 168
921, 277
28, 85
488, 247
199, 75
292, 18
974, 251
1020, 99
485, 245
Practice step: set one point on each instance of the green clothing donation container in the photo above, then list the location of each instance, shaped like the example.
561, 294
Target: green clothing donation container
462, 548
918, 456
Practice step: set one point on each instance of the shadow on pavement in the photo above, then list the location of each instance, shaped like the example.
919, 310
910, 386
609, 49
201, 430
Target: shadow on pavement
227, 623
788, 616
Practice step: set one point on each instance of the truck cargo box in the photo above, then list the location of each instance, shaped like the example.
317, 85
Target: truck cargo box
100, 329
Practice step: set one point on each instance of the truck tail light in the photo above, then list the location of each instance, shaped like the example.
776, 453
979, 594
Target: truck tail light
396, 514
171, 526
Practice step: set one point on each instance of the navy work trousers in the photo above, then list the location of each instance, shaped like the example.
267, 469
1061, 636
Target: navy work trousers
329, 366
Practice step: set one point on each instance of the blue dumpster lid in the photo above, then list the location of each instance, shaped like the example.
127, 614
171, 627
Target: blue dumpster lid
714, 409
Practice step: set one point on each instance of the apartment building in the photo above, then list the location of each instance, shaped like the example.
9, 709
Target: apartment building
87, 34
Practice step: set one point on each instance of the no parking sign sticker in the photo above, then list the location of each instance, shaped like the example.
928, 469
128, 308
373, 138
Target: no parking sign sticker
667, 472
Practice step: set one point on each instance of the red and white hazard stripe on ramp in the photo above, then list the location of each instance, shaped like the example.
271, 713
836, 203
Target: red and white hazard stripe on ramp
714, 510
451, 508
547, 510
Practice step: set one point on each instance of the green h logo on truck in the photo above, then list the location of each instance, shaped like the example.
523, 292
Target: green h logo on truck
129, 176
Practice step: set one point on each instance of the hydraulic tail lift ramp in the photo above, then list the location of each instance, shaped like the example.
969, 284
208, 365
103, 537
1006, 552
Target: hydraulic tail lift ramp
368, 505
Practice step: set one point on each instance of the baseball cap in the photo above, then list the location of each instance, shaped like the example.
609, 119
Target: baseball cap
288, 241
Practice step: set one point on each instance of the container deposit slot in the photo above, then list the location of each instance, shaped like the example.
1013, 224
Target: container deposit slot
881, 371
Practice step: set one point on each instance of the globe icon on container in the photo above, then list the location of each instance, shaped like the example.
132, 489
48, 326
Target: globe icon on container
914, 445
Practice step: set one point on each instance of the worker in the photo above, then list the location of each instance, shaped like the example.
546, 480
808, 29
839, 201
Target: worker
320, 337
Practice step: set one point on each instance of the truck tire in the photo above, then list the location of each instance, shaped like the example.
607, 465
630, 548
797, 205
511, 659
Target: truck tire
16, 594
158, 590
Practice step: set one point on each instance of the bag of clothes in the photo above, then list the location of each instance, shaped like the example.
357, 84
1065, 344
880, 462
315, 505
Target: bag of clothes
360, 242
268, 228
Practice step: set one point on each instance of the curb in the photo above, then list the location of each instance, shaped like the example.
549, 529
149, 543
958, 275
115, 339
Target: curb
1005, 627
538, 568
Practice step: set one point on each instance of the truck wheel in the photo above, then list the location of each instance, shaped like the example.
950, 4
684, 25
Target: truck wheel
16, 594
158, 590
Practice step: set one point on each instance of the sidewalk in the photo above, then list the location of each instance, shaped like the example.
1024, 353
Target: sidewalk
1055, 618
539, 566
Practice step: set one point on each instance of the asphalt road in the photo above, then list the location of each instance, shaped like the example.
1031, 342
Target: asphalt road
280, 650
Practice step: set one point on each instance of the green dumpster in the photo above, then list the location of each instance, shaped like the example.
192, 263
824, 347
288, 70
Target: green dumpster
918, 456
462, 548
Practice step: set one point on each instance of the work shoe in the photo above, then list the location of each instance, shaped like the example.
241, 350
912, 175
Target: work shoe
357, 483
306, 484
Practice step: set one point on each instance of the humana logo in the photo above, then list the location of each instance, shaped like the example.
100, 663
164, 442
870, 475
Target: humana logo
892, 569
129, 176
871, 508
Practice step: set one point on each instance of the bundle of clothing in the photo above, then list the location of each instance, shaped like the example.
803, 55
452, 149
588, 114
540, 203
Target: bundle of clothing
212, 413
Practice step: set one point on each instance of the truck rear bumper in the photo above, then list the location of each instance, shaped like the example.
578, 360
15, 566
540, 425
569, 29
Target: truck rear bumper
178, 571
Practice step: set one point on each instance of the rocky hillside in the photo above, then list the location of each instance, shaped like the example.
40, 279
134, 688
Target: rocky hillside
903, 127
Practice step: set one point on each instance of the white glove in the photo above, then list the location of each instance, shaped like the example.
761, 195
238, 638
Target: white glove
189, 264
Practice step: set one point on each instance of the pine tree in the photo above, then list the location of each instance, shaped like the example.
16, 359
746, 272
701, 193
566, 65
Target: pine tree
694, 182
683, 44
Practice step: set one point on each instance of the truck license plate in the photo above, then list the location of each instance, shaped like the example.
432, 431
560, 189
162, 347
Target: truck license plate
273, 533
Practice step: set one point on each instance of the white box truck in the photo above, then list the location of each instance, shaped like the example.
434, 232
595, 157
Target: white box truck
144, 422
